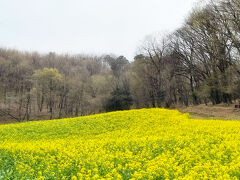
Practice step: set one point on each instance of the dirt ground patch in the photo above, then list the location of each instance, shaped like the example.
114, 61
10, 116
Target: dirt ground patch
222, 112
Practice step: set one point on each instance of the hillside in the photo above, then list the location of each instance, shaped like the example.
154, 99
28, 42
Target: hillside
140, 144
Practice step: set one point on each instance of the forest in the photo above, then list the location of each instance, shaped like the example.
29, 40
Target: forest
198, 63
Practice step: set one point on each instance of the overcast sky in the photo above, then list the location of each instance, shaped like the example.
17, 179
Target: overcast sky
87, 26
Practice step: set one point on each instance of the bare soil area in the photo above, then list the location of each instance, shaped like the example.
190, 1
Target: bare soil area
221, 112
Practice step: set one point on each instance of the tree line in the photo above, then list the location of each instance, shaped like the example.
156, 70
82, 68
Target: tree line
197, 63
37, 86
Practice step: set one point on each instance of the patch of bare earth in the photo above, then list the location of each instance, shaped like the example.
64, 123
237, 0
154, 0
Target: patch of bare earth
222, 112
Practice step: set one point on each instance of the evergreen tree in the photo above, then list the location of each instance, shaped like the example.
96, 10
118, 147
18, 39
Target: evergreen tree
120, 100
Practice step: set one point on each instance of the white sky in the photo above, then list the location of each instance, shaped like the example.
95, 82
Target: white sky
87, 26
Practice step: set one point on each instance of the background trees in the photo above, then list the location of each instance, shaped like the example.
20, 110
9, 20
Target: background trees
48, 88
120, 97
36, 86
197, 63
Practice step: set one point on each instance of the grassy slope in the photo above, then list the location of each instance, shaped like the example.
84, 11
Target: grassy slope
148, 143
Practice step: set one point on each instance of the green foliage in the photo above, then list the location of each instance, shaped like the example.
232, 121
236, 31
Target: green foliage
47, 78
120, 100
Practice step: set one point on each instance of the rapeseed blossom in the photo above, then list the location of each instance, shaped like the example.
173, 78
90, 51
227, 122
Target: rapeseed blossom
135, 144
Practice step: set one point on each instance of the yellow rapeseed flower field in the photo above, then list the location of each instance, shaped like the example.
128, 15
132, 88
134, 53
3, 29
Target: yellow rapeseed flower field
135, 144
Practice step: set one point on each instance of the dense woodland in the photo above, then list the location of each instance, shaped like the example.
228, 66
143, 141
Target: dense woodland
198, 63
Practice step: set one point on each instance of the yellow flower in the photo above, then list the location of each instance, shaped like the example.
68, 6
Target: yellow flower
138, 144
74, 178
